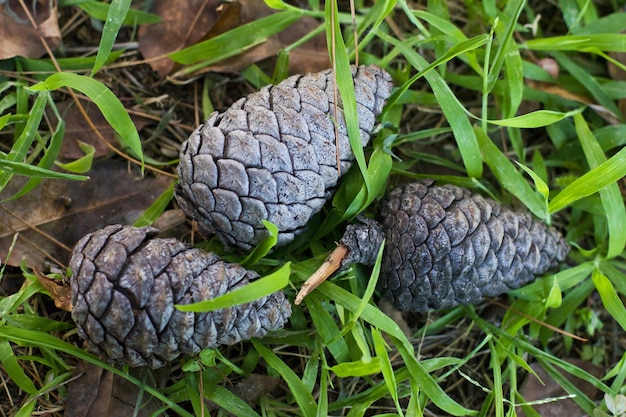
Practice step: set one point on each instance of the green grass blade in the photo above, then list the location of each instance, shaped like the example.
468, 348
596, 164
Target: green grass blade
454, 111
101, 11
236, 40
264, 247
229, 402
509, 177
610, 298
152, 213
357, 368
13, 368
303, 397
345, 87
378, 319
46, 161
33, 171
25, 139
267, 285
84, 163
45, 341
608, 42
386, 368
497, 380
611, 197
566, 279
327, 329
593, 181
115, 17
539, 118
447, 27
110, 106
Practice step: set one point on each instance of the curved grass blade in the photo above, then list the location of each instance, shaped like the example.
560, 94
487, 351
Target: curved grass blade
115, 17
157, 208
610, 298
229, 402
235, 41
100, 10
345, 85
82, 164
24, 140
110, 106
509, 177
303, 397
46, 161
21, 168
264, 286
610, 196
454, 111
608, 42
539, 118
418, 373
14, 369
593, 181
264, 247
43, 340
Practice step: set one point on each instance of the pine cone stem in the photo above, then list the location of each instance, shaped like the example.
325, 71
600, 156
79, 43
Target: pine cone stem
332, 263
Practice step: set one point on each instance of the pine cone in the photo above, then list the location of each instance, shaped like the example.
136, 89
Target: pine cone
446, 246
273, 156
125, 283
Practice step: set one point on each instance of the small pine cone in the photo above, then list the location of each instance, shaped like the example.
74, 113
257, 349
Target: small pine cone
446, 246
125, 283
273, 156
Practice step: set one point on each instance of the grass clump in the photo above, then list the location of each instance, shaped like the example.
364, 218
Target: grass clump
477, 104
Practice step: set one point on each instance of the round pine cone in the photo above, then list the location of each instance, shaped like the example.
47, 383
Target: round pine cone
273, 156
125, 283
446, 246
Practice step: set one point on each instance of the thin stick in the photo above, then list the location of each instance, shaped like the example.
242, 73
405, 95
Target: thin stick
330, 265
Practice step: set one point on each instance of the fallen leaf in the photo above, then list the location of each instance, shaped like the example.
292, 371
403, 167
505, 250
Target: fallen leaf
545, 388
56, 214
59, 292
155, 41
18, 35
556, 90
96, 392
184, 22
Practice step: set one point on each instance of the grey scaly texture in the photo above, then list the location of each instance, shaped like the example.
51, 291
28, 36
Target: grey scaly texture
125, 283
446, 246
273, 156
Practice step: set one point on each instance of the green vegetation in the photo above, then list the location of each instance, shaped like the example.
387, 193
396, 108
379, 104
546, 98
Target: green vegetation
475, 105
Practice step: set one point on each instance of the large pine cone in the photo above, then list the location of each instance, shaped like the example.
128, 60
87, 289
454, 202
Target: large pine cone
446, 246
273, 156
125, 283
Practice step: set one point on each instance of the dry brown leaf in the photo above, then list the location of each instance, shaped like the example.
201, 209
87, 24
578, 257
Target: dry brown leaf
60, 293
546, 388
96, 392
184, 22
158, 40
17, 33
603, 112
55, 215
